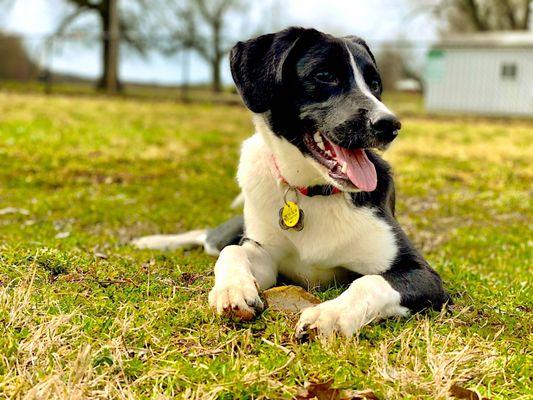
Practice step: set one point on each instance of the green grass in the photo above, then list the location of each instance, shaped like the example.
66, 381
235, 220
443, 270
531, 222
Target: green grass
85, 315
147, 92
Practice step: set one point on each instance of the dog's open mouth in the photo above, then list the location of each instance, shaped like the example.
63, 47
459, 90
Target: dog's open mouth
344, 165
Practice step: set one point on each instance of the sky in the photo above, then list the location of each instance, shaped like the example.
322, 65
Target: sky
377, 21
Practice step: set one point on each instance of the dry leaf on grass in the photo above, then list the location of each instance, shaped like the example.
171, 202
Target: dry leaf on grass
324, 391
319, 391
466, 394
289, 298
361, 395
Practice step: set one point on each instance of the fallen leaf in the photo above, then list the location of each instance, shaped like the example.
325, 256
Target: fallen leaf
319, 391
360, 395
289, 298
466, 394
324, 391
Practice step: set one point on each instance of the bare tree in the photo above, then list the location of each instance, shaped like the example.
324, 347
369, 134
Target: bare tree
116, 25
480, 15
202, 26
391, 66
396, 61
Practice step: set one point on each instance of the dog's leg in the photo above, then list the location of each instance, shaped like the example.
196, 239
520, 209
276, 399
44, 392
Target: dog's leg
368, 298
213, 240
185, 240
240, 272
396, 292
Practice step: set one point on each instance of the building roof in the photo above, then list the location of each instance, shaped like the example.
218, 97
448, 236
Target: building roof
500, 39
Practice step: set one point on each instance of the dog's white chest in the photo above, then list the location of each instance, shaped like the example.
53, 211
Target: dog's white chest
336, 235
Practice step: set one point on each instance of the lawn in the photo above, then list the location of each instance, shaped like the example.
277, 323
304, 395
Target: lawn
85, 315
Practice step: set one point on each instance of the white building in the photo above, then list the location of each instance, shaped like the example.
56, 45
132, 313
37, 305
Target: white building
482, 73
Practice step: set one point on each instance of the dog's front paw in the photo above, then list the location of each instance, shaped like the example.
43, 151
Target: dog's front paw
238, 300
333, 316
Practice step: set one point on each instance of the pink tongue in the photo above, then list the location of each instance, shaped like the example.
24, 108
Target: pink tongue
361, 171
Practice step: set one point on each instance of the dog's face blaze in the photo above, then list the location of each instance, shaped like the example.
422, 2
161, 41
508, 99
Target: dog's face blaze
320, 93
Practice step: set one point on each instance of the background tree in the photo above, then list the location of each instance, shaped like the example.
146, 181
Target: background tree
201, 25
391, 66
480, 15
118, 24
398, 61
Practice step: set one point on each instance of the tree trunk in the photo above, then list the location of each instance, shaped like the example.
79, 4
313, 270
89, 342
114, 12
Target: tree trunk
217, 56
527, 17
474, 13
217, 82
110, 43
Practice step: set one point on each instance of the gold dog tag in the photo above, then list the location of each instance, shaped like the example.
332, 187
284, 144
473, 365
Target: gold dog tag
291, 216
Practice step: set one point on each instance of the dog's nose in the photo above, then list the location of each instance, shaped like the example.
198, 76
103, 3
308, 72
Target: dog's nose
386, 126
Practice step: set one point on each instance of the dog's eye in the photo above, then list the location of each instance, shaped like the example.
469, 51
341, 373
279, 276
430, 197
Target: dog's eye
375, 86
325, 77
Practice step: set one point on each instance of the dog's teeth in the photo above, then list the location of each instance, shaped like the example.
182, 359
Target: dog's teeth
329, 153
321, 146
344, 167
317, 137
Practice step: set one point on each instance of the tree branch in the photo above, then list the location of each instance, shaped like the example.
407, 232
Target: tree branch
475, 13
69, 19
508, 20
527, 14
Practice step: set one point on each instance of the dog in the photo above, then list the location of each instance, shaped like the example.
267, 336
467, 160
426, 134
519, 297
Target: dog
319, 201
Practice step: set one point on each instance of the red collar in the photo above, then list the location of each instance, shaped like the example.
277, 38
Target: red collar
309, 191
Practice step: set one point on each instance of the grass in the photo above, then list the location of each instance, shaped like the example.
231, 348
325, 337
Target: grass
84, 315
135, 91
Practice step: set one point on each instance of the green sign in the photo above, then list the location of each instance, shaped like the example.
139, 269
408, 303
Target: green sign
435, 65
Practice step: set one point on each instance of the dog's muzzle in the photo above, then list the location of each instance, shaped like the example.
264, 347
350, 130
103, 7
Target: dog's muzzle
386, 127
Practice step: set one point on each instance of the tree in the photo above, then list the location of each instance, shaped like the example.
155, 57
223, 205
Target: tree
391, 66
397, 62
116, 25
201, 27
480, 15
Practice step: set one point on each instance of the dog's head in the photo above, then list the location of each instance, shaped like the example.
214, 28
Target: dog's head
323, 95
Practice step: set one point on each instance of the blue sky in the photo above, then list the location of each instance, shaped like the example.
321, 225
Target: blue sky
375, 20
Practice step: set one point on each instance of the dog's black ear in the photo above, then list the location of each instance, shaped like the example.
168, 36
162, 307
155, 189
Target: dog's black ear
362, 43
257, 65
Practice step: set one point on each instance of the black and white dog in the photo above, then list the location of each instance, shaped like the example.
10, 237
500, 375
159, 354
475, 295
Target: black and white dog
318, 199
